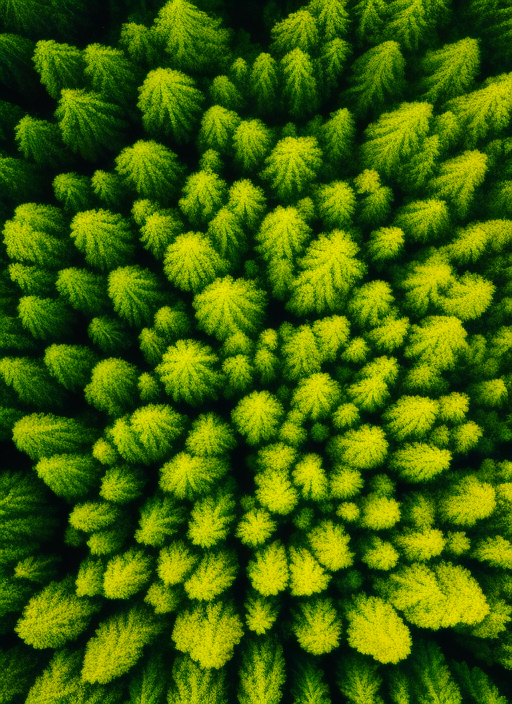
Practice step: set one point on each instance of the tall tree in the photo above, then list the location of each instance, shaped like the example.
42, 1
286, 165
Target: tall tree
151, 169
458, 179
103, 237
300, 87
297, 31
262, 674
60, 66
292, 165
451, 70
41, 141
264, 83
110, 73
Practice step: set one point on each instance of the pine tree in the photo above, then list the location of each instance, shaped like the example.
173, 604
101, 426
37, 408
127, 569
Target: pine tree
292, 165
252, 141
297, 31
371, 303
283, 234
467, 501
496, 551
30, 381
329, 269
170, 103
425, 283
376, 629
159, 519
262, 674
217, 130
31, 279
377, 75
476, 683
337, 137
110, 73
136, 294
257, 416
438, 340
45, 318
110, 189
316, 395
73, 191
336, 203
483, 111
123, 637
458, 179
375, 207
83, 290
36, 235
208, 633
175, 562
307, 576
468, 297
104, 238
159, 230
411, 416
188, 372
60, 66
332, 18
210, 436
371, 15
333, 58
40, 141
187, 476
268, 570
194, 40
55, 616
363, 448
431, 680
330, 545
423, 220
88, 123
191, 262
122, 484
139, 43
193, 684
59, 679
113, 386
408, 22
451, 70
223, 92
264, 83
215, 573
396, 136
300, 88
317, 626
420, 462
109, 334
126, 574
203, 195
151, 169
69, 476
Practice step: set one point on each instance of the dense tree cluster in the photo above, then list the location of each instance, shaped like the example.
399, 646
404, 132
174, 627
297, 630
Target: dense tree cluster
256, 352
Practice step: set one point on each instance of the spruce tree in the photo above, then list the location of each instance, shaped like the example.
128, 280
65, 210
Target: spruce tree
151, 169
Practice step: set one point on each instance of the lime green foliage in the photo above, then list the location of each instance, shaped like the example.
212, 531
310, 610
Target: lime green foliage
423, 220
123, 637
208, 633
35, 235
251, 141
263, 82
191, 262
459, 178
376, 629
113, 386
292, 165
203, 195
257, 416
159, 518
69, 476
467, 502
432, 677
60, 66
262, 674
411, 416
193, 684
364, 448
268, 571
44, 434
317, 626
359, 679
110, 73
150, 168
126, 574
188, 372
55, 616
300, 91
420, 462
103, 237
450, 70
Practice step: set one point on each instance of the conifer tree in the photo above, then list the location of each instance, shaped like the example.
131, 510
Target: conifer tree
451, 70
88, 123
159, 519
214, 574
69, 476
30, 381
60, 66
59, 679
458, 179
55, 616
438, 340
363, 448
123, 637
70, 365
332, 60
297, 31
109, 188
317, 626
292, 165
420, 462
31, 279
73, 191
300, 87
113, 386
262, 673
337, 136
191, 262
316, 395
175, 562
126, 574
192, 683
159, 230
103, 237
395, 136
110, 73
252, 140
203, 196
189, 372
151, 169
122, 484
423, 220
139, 43
109, 334
468, 297
218, 127
377, 75
408, 22
45, 318
170, 103
329, 269
35, 235
467, 501
332, 18
247, 202
40, 141
268, 570
336, 203
136, 294
411, 416
223, 92
283, 234
375, 207
83, 290
192, 38
264, 83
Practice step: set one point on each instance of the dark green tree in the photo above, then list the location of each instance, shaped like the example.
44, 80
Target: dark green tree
60, 66
110, 73
40, 141
299, 83
451, 70
105, 238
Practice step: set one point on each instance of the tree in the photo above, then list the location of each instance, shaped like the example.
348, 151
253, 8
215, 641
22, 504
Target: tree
300, 87
375, 207
468, 298
122, 483
264, 83
188, 372
332, 60
104, 238
308, 683
420, 462
193, 684
70, 365
188, 477
297, 31
218, 127
467, 501
425, 283
203, 196
30, 381
451, 70
257, 416
228, 306
377, 75
262, 673
36, 235
135, 293
123, 636
113, 386
376, 629
170, 103
45, 318
44, 434
359, 679
247, 202
110, 334
110, 73
316, 395
193, 39
40, 141
73, 191
88, 123
495, 550
411, 416
409, 24
55, 616
379, 512
282, 234
317, 626
83, 290
109, 188
210, 436
69, 476
364, 448
151, 169
159, 230
423, 220
276, 492
175, 563
438, 340
331, 334
431, 678
268, 569
329, 269
59, 679
139, 43
255, 527
337, 137
476, 683
459, 178
252, 141
332, 18
307, 576
292, 165
223, 92
435, 597
208, 633
421, 166
214, 574
371, 303
336, 203
60, 66
126, 574
483, 111
191, 262
159, 519
396, 136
